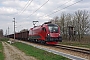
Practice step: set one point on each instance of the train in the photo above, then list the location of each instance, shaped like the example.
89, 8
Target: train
47, 33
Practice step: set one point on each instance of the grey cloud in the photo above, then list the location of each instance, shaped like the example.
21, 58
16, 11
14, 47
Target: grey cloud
51, 6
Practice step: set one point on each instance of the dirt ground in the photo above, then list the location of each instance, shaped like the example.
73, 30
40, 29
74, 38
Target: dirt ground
12, 53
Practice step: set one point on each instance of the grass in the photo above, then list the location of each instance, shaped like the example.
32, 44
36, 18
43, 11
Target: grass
4, 39
38, 53
84, 42
1, 47
1, 52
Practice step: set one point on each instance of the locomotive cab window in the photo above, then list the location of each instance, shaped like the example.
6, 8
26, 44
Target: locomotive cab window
44, 29
53, 28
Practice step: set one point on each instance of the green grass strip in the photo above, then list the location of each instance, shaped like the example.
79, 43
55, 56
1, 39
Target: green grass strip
1, 52
4, 39
38, 53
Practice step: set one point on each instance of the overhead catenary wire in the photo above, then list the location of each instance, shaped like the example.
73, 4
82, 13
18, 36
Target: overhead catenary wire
63, 4
62, 9
65, 7
26, 6
44, 4
38, 8
57, 10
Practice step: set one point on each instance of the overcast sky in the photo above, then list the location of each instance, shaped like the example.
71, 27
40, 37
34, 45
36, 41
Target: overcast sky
10, 9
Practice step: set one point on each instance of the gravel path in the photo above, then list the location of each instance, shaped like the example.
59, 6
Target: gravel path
12, 53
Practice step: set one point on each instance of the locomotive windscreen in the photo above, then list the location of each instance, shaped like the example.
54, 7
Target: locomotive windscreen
53, 28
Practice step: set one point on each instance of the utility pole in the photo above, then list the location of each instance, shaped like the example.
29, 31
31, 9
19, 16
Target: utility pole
8, 32
14, 28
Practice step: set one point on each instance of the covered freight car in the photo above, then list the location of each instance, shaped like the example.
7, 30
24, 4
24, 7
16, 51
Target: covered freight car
22, 35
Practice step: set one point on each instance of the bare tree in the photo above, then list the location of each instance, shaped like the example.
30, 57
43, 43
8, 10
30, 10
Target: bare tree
68, 23
82, 23
1, 32
55, 20
79, 21
62, 23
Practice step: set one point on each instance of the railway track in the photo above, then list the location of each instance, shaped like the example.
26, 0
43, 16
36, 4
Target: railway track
60, 49
49, 48
72, 48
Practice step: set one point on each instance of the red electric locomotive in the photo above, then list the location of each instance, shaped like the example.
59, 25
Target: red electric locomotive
47, 33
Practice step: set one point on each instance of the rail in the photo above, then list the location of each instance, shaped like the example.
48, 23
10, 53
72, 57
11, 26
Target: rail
73, 48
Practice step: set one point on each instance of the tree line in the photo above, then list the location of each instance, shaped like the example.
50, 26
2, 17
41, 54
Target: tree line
79, 21
1, 32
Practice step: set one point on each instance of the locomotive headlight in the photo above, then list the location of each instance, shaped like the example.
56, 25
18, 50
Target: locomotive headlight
59, 34
48, 35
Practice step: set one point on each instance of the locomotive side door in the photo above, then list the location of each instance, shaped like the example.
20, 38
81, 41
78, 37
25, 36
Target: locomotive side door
44, 32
